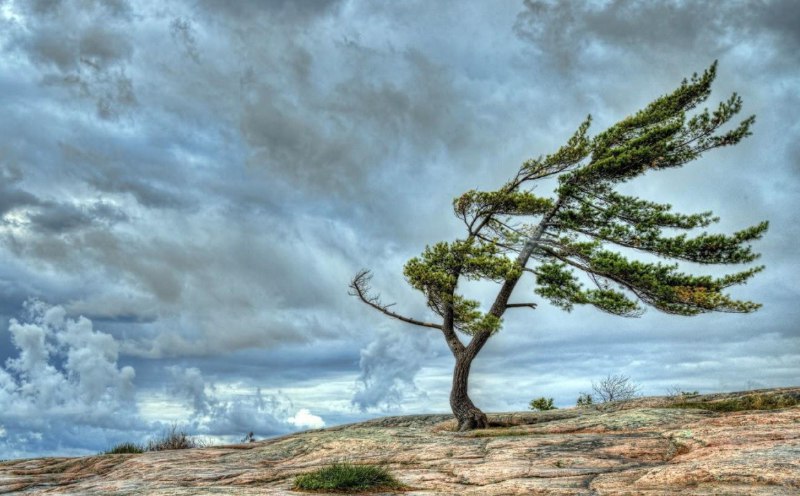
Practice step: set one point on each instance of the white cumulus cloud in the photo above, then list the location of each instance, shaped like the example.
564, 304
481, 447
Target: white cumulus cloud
64, 382
304, 418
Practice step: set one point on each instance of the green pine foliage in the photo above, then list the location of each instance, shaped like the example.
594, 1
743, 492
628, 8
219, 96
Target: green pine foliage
581, 228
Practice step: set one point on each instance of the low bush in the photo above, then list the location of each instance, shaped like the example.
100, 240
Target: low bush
584, 399
615, 387
347, 477
542, 404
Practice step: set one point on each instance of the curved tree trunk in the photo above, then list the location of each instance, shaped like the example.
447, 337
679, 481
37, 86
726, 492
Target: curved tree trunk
468, 415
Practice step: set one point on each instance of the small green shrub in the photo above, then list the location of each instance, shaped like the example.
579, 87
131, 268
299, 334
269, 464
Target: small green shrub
125, 448
542, 404
347, 477
584, 399
173, 438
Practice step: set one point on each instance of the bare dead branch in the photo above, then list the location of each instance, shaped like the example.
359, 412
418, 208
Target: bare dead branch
360, 287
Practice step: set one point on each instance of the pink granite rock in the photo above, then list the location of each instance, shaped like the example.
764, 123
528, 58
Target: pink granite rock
645, 447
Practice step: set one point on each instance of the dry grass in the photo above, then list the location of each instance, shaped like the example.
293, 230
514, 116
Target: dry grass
742, 403
172, 439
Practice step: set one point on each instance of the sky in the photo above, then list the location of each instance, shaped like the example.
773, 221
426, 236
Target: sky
187, 188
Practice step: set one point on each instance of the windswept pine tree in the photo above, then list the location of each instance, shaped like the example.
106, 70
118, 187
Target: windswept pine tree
512, 232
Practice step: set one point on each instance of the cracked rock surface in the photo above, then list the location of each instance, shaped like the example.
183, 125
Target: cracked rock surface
646, 446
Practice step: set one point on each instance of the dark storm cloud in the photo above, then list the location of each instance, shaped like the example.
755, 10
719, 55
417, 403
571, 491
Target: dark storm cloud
53, 217
47, 215
56, 218
153, 179
291, 10
567, 32
338, 135
11, 196
346, 143
81, 47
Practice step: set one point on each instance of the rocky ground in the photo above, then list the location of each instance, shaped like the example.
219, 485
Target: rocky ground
735, 443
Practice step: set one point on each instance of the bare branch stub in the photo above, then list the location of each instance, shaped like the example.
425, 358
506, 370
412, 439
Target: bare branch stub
521, 305
360, 287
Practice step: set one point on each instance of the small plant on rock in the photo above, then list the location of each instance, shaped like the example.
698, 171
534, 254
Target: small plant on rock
584, 399
347, 477
125, 448
542, 404
173, 438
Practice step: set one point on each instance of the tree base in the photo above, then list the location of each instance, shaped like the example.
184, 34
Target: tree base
473, 419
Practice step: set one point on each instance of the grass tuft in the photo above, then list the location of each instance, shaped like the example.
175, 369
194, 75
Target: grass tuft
173, 438
346, 477
125, 448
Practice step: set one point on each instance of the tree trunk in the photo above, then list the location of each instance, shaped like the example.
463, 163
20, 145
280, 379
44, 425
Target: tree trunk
468, 415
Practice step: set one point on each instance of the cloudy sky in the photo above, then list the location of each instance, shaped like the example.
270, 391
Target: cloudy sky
186, 188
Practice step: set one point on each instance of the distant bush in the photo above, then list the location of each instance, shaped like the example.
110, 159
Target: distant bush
249, 438
676, 392
173, 438
616, 387
584, 399
125, 448
542, 404
347, 477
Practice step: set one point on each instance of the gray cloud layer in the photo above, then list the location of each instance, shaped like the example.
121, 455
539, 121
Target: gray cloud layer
201, 179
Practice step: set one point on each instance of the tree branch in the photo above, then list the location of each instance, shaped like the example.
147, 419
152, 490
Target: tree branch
359, 287
521, 305
501, 300
633, 289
